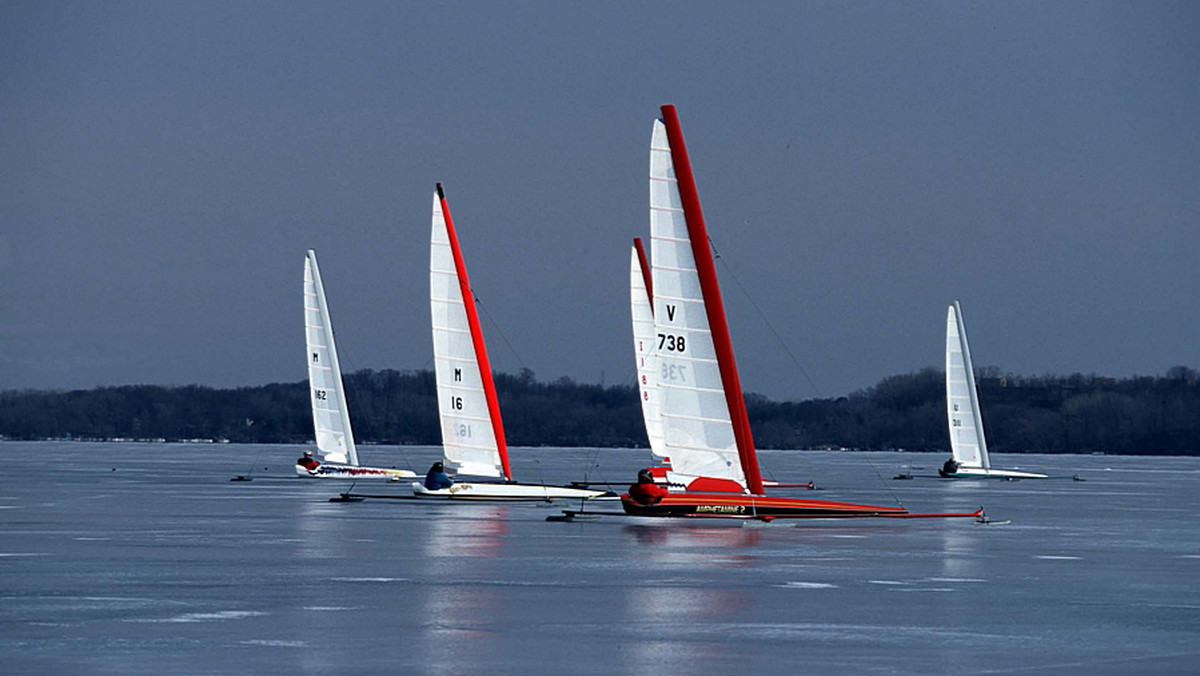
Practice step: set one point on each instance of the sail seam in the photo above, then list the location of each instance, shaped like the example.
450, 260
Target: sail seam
452, 418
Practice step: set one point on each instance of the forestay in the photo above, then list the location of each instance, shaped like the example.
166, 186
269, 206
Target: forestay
962, 398
468, 435
698, 434
331, 419
643, 351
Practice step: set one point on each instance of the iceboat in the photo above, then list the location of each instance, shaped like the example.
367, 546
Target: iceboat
967, 442
473, 443
705, 429
645, 349
331, 418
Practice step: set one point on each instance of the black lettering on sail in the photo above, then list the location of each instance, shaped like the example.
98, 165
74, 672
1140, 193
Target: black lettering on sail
670, 313
457, 375
315, 358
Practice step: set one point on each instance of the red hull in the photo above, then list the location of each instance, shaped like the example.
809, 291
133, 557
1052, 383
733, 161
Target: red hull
726, 506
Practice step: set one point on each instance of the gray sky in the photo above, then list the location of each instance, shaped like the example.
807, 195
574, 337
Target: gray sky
164, 165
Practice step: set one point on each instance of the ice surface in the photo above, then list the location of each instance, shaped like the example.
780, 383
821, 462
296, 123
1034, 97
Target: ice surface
165, 566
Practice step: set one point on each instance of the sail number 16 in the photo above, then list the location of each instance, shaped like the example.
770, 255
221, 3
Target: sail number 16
671, 343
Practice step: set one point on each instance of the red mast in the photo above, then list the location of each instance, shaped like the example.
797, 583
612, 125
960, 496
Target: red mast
641, 253
713, 306
485, 369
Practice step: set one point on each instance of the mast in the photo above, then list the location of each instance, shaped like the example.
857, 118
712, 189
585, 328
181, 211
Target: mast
485, 369
713, 306
641, 254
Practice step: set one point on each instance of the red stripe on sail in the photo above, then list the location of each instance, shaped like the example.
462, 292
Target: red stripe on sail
641, 254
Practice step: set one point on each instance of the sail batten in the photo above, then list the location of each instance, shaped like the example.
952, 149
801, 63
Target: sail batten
331, 420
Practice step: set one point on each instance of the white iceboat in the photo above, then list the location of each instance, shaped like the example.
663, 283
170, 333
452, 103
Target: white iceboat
473, 442
967, 441
331, 420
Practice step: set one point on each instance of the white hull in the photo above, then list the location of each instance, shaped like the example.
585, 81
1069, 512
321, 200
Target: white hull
495, 491
980, 473
327, 471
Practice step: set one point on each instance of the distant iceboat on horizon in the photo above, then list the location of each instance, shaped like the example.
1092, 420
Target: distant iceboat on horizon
331, 419
967, 442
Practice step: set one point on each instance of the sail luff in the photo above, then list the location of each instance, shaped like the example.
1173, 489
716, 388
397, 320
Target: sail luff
336, 382
489, 386
645, 268
714, 308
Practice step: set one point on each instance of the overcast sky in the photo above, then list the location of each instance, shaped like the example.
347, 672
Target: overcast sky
164, 166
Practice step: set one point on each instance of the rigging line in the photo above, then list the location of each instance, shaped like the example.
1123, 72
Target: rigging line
351, 387
883, 482
587, 475
729, 269
254, 462
717, 255
761, 314
479, 304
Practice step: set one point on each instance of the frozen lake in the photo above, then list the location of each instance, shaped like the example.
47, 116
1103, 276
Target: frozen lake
146, 559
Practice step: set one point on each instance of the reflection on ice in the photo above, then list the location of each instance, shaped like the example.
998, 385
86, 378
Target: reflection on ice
480, 533
808, 585
459, 616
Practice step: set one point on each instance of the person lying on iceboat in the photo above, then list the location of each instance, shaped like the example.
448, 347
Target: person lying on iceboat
645, 491
437, 478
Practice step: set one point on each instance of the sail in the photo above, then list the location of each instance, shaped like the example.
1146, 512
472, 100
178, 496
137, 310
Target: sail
697, 429
643, 350
962, 399
472, 435
331, 419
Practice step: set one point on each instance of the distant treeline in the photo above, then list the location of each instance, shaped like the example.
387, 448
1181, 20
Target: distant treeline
1048, 414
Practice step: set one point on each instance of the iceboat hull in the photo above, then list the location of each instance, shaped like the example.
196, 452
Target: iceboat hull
981, 473
467, 490
329, 471
727, 506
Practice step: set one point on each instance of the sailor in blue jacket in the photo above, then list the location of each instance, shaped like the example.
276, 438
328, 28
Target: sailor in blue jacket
437, 479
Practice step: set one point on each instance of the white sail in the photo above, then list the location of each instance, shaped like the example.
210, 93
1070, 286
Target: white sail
643, 351
468, 438
698, 434
962, 399
331, 419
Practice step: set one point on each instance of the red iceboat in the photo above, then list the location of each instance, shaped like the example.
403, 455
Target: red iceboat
704, 428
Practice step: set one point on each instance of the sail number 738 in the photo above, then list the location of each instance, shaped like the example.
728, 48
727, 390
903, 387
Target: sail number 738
671, 343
